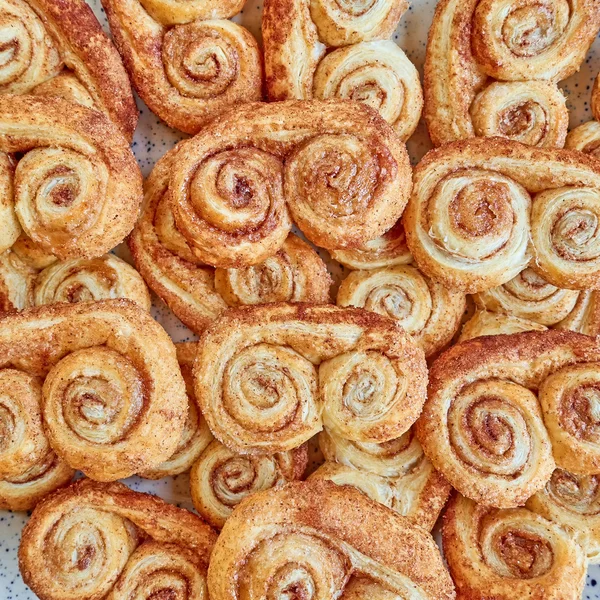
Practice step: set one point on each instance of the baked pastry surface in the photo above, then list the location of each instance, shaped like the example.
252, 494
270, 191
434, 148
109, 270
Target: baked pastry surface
187, 61
59, 49
94, 540
324, 539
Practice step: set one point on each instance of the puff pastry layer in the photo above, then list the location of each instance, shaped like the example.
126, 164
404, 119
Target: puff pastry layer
268, 377
323, 541
511, 553
362, 65
94, 540
76, 189
58, 48
483, 427
197, 293
492, 67
113, 401
395, 474
481, 211
186, 60
344, 179
426, 310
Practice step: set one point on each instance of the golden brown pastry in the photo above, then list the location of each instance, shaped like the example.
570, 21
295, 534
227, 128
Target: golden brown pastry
362, 65
197, 293
573, 502
484, 322
482, 426
395, 473
585, 316
426, 310
58, 48
29, 469
268, 377
295, 274
585, 138
492, 67
196, 435
75, 280
569, 400
220, 479
77, 187
387, 250
186, 60
94, 540
25, 490
232, 188
318, 540
513, 553
113, 401
481, 211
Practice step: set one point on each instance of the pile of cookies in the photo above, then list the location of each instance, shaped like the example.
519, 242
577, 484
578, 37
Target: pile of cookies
454, 372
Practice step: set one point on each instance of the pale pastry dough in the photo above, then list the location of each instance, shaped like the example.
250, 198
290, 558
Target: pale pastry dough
322, 541
17, 281
113, 400
509, 554
77, 187
94, 540
573, 501
220, 479
186, 60
482, 426
196, 436
585, 138
394, 473
386, 250
492, 67
47, 55
344, 178
426, 310
268, 377
484, 322
362, 65
481, 211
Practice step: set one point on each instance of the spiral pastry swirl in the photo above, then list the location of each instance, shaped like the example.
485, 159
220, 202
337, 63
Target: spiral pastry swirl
113, 401
196, 435
395, 474
23, 491
569, 400
511, 553
532, 112
585, 316
95, 540
387, 250
378, 74
529, 296
77, 187
362, 65
427, 311
482, 426
44, 54
11, 228
81, 280
220, 479
470, 218
573, 501
186, 62
484, 322
492, 67
268, 377
317, 540
345, 180
294, 274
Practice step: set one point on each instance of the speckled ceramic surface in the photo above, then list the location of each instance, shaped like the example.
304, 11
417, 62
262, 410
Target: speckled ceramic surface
153, 139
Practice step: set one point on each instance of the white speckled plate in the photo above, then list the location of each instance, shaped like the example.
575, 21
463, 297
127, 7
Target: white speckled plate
153, 138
